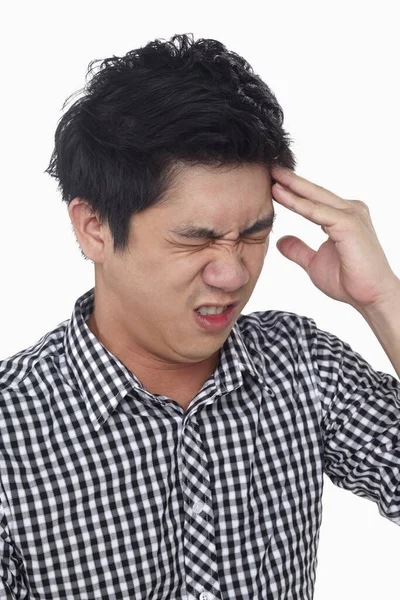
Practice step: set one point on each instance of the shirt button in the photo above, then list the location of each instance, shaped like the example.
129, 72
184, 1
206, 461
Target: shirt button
197, 508
204, 596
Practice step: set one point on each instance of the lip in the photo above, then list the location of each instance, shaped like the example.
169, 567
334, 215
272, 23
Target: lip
216, 322
228, 304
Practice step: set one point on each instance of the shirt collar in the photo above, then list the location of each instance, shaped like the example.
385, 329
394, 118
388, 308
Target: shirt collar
103, 380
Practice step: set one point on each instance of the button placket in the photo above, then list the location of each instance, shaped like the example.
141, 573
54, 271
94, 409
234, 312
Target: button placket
206, 596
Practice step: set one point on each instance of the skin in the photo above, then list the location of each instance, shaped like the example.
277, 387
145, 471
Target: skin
144, 299
351, 265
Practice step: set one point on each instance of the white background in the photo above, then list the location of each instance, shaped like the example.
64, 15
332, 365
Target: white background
334, 67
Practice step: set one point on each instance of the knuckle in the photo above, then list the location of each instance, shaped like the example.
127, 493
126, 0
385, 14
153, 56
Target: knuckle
361, 204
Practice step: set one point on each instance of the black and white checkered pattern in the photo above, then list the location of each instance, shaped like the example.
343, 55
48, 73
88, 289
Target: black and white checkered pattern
108, 491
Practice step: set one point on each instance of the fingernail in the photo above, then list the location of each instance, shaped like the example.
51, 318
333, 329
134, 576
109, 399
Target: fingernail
279, 186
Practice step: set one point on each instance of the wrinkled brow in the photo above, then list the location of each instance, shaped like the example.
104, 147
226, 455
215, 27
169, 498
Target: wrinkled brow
193, 231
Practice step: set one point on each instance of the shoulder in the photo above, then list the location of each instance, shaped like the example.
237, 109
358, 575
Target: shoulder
279, 342
22, 374
276, 327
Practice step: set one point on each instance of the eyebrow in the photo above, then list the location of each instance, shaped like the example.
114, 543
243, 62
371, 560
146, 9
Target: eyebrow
192, 231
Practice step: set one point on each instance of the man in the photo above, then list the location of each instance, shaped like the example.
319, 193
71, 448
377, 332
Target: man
151, 447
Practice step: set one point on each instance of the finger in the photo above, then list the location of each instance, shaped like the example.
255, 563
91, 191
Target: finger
304, 187
296, 250
316, 212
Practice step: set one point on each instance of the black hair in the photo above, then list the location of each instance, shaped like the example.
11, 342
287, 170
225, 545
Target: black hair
145, 115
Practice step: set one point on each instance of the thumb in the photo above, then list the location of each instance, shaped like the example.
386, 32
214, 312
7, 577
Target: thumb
295, 250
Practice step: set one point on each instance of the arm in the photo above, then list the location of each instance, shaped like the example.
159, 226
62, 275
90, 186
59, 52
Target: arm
360, 422
384, 320
13, 582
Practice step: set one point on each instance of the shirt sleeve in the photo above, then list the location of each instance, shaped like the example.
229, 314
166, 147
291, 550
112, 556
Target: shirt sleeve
360, 422
13, 582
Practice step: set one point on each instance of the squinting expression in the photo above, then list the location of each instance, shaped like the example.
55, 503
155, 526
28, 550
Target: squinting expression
198, 247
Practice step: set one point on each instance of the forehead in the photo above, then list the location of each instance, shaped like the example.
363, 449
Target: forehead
218, 191
193, 176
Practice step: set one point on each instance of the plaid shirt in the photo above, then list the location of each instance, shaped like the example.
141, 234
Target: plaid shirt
108, 491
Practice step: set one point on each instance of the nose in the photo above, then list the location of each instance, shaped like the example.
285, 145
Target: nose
226, 270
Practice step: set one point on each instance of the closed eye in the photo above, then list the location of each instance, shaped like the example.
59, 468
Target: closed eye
257, 235
252, 238
197, 233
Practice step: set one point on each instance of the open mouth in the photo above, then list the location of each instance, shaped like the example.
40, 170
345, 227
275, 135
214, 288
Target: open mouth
215, 322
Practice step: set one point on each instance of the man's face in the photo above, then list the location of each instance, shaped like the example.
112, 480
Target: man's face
153, 289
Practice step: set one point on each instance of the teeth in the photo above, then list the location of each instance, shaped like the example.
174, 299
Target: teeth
211, 310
